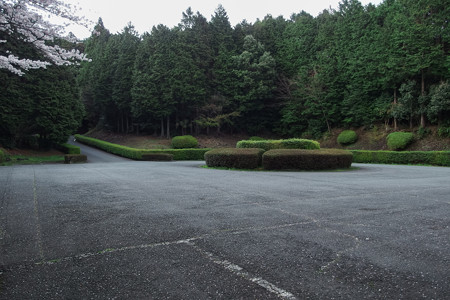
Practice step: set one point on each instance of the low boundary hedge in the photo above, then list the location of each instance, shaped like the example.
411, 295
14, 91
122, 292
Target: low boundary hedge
299, 159
157, 157
437, 158
68, 148
235, 158
136, 154
279, 144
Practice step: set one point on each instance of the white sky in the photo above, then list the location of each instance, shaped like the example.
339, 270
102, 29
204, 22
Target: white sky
144, 14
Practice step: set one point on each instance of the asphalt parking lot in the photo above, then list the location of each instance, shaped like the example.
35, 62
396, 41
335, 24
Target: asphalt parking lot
175, 230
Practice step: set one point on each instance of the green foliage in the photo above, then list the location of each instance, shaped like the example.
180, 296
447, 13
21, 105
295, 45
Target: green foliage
183, 142
444, 131
299, 159
249, 158
279, 144
399, 140
353, 66
136, 154
157, 157
347, 137
74, 158
31, 160
438, 158
2, 156
68, 148
43, 104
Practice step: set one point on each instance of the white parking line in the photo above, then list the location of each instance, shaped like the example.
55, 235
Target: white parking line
244, 274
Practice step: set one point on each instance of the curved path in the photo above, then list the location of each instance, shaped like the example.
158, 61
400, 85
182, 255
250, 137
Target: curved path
174, 230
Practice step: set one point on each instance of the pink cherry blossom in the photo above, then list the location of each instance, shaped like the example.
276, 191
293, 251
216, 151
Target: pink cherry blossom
24, 19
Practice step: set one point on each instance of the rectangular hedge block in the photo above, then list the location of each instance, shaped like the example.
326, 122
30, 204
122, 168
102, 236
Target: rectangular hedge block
233, 158
74, 158
68, 148
299, 159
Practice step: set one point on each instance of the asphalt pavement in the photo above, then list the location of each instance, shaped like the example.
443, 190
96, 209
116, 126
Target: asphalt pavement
175, 230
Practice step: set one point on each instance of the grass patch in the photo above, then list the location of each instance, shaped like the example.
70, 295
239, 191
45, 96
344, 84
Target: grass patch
32, 160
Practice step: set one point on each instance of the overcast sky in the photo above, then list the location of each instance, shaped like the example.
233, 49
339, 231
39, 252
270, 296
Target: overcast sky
144, 14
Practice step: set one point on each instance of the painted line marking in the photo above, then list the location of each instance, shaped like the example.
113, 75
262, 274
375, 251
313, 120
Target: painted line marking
238, 270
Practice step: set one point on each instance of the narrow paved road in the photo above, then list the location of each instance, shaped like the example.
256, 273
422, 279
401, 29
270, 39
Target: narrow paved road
174, 230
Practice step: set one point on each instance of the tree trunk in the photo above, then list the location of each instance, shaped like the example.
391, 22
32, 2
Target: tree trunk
395, 103
162, 127
422, 93
168, 127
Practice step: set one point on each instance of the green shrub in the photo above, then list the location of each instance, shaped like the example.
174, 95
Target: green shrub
157, 157
279, 144
74, 158
438, 158
444, 131
2, 156
347, 137
234, 158
184, 141
399, 140
299, 159
256, 138
68, 148
136, 154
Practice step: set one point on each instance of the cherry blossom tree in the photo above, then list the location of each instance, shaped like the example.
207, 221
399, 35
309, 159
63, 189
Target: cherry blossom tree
28, 22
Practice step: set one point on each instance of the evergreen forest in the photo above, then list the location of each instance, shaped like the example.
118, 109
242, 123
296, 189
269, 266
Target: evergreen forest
299, 77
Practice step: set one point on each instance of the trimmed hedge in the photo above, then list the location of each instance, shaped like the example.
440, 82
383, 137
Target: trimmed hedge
68, 148
110, 147
248, 158
300, 159
136, 154
279, 144
347, 137
74, 158
437, 158
399, 140
184, 142
157, 157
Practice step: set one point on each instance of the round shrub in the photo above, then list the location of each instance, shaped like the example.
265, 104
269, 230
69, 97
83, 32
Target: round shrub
184, 141
347, 137
399, 140
298, 159
279, 144
234, 158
